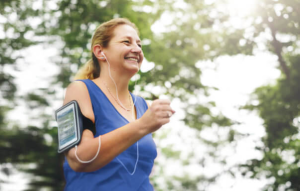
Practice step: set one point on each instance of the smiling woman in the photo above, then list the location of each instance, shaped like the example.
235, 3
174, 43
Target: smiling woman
122, 120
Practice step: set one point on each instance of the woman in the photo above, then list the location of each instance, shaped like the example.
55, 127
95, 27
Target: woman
123, 121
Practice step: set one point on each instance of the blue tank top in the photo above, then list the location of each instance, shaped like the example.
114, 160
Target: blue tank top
115, 176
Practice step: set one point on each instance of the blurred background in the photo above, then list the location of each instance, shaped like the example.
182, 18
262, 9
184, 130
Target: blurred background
230, 67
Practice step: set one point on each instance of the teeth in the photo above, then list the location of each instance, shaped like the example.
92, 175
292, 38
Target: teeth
134, 59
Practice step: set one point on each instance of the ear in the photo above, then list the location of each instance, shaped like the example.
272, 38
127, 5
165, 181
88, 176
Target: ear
97, 50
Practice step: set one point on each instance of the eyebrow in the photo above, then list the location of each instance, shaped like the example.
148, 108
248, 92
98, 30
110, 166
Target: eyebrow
131, 38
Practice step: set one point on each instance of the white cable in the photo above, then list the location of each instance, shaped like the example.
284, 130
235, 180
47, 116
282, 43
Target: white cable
113, 81
109, 73
135, 83
137, 144
92, 158
137, 159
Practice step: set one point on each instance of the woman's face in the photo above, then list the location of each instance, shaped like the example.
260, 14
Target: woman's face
124, 50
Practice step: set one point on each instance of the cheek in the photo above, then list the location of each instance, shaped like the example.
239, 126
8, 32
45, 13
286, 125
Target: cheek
142, 57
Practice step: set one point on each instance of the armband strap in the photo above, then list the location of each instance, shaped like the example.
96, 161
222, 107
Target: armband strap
88, 124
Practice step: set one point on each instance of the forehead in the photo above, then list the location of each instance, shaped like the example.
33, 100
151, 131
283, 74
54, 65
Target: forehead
124, 31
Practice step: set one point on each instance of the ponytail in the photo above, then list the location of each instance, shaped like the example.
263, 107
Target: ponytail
89, 70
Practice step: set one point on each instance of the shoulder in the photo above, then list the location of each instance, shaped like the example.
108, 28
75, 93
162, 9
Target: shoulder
77, 90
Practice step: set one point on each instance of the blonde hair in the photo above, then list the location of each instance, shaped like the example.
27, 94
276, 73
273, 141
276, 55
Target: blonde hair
102, 36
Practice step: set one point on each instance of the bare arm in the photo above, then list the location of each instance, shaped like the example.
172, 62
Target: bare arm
114, 142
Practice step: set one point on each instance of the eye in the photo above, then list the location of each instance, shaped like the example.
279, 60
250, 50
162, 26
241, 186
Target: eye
126, 41
140, 45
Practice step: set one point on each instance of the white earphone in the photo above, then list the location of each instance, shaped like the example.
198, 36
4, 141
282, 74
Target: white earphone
103, 56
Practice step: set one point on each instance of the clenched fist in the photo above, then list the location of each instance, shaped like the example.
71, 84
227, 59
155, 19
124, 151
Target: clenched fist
158, 114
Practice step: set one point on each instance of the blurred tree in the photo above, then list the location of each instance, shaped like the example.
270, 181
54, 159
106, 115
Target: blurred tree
18, 145
278, 104
13, 31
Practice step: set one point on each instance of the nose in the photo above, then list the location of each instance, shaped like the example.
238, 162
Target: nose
136, 49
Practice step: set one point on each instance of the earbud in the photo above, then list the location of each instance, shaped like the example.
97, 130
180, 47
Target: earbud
103, 56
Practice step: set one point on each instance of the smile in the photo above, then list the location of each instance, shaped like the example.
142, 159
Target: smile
133, 59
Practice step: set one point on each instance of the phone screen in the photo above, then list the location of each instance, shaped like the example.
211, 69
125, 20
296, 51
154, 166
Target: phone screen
67, 130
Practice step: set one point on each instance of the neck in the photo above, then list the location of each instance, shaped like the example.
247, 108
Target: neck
119, 95
116, 85
111, 84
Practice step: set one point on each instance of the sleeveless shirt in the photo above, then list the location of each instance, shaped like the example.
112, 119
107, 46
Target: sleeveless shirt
116, 175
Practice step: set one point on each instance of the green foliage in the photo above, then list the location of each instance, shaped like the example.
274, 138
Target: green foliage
279, 107
12, 40
22, 146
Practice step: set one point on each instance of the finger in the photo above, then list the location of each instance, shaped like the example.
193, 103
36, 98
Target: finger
165, 120
164, 102
168, 108
169, 113
166, 114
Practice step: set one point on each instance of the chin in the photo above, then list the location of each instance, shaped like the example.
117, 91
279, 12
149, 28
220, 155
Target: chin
135, 69
132, 70
133, 66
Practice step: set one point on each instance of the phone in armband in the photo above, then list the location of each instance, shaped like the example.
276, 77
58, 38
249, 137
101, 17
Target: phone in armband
70, 124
